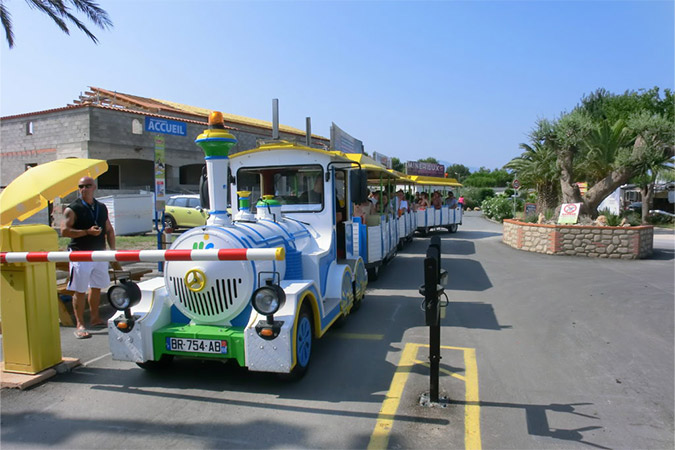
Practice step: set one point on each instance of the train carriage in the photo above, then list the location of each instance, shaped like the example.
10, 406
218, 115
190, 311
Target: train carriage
445, 217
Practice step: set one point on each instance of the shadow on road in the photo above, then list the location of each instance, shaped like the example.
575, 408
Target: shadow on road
537, 420
472, 315
662, 254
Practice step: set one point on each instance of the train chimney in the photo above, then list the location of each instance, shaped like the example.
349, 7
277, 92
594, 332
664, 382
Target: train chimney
216, 143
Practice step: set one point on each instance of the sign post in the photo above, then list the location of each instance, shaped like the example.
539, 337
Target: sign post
160, 191
516, 186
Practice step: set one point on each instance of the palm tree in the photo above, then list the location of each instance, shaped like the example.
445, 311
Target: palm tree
536, 168
654, 162
60, 12
606, 148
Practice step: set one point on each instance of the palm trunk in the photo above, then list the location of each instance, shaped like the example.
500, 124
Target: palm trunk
647, 197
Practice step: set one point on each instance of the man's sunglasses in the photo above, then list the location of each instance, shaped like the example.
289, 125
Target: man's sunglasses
80, 186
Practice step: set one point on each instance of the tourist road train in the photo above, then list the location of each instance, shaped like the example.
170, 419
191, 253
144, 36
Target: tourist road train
304, 262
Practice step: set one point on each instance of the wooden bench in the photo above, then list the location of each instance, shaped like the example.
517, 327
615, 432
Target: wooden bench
116, 273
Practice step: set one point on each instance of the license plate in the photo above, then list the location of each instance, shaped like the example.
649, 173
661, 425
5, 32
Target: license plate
175, 344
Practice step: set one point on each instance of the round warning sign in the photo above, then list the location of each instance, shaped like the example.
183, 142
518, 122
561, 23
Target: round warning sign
570, 208
569, 213
516, 184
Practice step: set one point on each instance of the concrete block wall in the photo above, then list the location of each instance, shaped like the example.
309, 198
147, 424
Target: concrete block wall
590, 241
55, 135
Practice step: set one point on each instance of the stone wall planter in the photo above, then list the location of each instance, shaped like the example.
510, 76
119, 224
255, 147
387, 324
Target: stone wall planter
574, 240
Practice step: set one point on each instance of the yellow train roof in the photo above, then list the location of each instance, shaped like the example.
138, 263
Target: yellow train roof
286, 145
434, 181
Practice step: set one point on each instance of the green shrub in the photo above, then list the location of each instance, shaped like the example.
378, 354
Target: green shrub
473, 197
498, 208
549, 214
633, 218
659, 219
484, 193
613, 220
532, 218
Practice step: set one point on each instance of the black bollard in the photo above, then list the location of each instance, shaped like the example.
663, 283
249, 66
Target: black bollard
433, 316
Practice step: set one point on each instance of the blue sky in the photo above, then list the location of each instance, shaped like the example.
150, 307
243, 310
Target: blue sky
463, 82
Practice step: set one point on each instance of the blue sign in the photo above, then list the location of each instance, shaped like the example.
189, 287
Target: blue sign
164, 126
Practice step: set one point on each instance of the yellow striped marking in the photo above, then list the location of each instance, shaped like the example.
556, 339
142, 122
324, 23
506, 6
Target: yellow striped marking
385, 420
472, 439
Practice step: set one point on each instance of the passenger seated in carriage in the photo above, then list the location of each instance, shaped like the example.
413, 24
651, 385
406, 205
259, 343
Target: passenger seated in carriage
436, 200
451, 201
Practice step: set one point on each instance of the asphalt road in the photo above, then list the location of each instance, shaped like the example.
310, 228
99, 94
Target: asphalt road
538, 352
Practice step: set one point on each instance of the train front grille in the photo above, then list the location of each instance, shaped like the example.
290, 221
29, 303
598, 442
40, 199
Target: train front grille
222, 296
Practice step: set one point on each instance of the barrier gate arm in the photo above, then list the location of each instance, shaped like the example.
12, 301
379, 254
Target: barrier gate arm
243, 254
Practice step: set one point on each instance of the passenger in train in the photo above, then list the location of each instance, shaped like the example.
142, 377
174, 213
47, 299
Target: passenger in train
363, 209
315, 195
451, 201
424, 201
402, 204
373, 197
436, 200
386, 205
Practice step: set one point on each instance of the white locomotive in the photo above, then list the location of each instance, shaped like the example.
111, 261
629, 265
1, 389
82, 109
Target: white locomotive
262, 313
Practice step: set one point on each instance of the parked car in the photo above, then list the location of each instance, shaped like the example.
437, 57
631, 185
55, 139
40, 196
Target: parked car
184, 211
635, 206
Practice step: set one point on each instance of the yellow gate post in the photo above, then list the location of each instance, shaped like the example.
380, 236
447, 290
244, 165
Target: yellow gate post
31, 340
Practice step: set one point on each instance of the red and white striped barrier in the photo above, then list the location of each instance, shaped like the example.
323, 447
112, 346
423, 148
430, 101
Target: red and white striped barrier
223, 254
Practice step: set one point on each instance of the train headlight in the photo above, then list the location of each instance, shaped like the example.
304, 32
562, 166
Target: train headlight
268, 299
124, 295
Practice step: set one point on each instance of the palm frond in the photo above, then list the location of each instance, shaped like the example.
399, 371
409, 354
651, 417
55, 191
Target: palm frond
94, 13
6, 19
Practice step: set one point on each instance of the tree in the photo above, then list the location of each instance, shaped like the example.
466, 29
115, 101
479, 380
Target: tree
430, 160
397, 165
655, 132
607, 148
585, 135
487, 178
458, 171
60, 12
536, 168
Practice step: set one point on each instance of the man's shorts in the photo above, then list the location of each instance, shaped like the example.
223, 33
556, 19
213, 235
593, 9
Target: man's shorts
86, 274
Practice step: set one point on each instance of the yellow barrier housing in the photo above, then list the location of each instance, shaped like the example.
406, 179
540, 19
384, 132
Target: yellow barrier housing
31, 340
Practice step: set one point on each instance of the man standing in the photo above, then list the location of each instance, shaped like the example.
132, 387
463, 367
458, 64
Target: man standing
86, 223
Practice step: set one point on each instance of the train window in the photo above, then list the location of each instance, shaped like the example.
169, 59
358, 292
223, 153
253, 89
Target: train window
297, 188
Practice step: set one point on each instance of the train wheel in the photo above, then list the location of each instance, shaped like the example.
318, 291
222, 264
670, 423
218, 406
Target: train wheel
303, 345
453, 228
163, 363
360, 283
373, 273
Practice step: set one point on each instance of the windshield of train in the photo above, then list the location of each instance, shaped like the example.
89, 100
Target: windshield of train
297, 188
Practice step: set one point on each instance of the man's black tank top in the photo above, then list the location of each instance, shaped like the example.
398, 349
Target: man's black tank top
86, 216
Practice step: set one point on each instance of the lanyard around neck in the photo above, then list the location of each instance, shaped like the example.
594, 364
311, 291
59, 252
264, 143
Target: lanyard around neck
93, 210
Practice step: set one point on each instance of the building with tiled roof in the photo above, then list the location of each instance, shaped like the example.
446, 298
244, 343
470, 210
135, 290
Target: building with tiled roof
125, 130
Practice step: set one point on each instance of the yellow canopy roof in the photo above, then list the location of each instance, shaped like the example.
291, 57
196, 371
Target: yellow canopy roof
434, 181
374, 168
